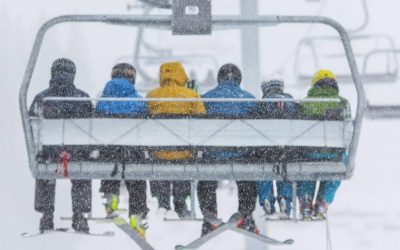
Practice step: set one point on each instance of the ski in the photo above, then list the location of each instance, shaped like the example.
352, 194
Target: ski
66, 230
277, 217
221, 227
126, 228
263, 238
107, 218
175, 217
30, 235
99, 219
231, 224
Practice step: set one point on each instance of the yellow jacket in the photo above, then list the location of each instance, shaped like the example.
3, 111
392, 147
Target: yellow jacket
173, 81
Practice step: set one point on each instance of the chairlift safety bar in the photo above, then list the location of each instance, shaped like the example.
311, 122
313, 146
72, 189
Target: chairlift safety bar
77, 99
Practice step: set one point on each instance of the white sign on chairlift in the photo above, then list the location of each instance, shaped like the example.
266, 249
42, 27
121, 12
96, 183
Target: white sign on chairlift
192, 10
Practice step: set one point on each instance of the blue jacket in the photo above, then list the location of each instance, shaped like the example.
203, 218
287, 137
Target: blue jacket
278, 110
121, 88
229, 89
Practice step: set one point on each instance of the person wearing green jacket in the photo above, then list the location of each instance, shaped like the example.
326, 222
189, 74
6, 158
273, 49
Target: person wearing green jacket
324, 85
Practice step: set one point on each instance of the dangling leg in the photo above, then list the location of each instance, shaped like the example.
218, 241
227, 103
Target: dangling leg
284, 196
181, 190
266, 196
137, 205
247, 191
81, 193
44, 202
207, 196
325, 196
111, 189
164, 196
305, 192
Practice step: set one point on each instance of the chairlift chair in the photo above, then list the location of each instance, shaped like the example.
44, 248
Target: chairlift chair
382, 111
89, 137
388, 75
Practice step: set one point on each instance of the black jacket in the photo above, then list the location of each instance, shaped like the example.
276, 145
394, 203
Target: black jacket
61, 109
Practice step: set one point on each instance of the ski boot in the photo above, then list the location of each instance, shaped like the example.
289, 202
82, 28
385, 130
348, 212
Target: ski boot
111, 204
164, 205
306, 208
285, 207
79, 223
139, 224
208, 224
181, 209
46, 222
321, 209
247, 223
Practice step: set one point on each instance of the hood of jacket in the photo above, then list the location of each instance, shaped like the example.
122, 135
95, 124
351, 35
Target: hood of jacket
119, 87
173, 73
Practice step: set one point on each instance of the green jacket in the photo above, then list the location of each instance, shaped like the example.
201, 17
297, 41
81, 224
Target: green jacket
325, 88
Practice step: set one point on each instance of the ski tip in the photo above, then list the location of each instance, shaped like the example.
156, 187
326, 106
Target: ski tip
288, 242
179, 247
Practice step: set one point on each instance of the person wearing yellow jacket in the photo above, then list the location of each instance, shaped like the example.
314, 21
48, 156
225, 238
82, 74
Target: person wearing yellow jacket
173, 80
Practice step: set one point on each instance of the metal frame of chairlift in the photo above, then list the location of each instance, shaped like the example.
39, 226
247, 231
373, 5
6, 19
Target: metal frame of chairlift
186, 171
375, 111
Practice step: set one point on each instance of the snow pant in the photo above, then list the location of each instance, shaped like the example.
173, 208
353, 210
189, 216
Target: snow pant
326, 192
136, 190
266, 191
206, 193
162, 190
81, 193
